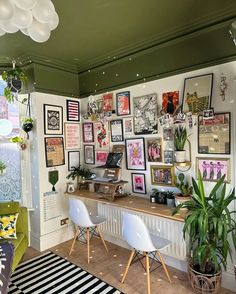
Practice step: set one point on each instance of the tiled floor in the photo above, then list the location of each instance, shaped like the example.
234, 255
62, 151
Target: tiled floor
110, 266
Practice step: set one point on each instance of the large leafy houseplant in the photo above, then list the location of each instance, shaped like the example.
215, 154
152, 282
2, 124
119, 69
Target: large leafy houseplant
78, 171
208, 224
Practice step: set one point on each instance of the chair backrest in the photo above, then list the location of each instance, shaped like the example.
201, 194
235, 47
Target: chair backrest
136, 233
78, 213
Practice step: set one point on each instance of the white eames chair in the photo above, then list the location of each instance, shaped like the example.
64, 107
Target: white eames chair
138, 237
84, 222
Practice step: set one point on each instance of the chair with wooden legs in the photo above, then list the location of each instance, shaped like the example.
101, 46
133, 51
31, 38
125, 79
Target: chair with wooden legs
143, 244
84, 223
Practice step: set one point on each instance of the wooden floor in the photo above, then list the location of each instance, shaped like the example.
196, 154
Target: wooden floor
110, 266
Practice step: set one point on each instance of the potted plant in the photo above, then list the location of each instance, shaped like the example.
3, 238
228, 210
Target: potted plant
2, 167
16, 79
21, 142
180, 137
80, 173
170, 199
27, 124
185, 189
160, 196
209, 226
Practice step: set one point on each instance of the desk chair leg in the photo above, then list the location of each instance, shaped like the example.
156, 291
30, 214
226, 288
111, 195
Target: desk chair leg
148, 274
88, 244
101, 236
128, 265
164, 266
73, 243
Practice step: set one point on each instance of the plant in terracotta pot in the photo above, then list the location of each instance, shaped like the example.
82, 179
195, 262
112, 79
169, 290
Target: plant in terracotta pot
180, 138
2, 167
210, 228
185, 189
80, 173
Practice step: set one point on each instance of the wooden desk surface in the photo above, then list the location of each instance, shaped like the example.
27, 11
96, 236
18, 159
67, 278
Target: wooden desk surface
131, 202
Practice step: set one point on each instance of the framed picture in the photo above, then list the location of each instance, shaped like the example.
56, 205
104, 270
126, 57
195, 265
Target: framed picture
168, 134
118, 148
101, 136
53, 120
72, 136
73, 110
168, 156
197, 94
54, 151
138, 183
88, 132
73, 159
212, 169
135, 154
117, 130
107, 102
145, 114
100, 157
89, 156
162, 175
128, 126
154, 149
170, 102
123, 103
214, 134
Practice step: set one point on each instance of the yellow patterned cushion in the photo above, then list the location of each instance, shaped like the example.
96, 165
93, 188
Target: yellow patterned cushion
8, 226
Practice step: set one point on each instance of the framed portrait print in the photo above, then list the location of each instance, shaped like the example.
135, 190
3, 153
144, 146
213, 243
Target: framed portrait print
212, 169
54, 151
170, 102
73, 110
89, 156
123, 103
168, 156
88, 132
162, 175
117, 130
138, 183
73, 159
53, 120
101, 157
101, 136
72, 136
135, 154
197, 93
128, 126
154, 149
214, 134
107, 102
145, 114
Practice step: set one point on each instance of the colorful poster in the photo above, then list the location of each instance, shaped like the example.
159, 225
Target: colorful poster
135, 154
123, 103
73, 110
107, 102
54, 147
101, 135
101, 157
170, 101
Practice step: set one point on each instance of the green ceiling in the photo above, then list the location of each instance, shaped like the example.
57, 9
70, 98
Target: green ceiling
123, 41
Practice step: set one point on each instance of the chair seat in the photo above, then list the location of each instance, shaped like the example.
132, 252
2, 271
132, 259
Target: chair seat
159, 242
97, 220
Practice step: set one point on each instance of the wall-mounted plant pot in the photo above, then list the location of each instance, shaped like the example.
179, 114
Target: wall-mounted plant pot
180, 156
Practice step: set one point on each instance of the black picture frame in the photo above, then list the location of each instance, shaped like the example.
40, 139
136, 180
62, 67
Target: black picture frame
53, 119
92, 153
212, 132
72, 110
71, 159
116, 127
89, 132
132, 143
134, 189
121, 105
53, 144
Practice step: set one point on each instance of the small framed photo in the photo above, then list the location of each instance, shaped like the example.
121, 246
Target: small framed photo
167, 134
53, 120
88, 132
154, 149
73, 110
128, 126
135, 154
123, 103
72, 136
168, 156
54, 151
117, 130
138, 183
208, 114
212, 169
170, 102
107, 102
101, 157
89, 156
162, 175
73, 159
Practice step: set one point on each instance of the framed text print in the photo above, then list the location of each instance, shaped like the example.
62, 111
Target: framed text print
138, 183
73, 110
53, 120
72, 136
135, 154
123, 103
54, 150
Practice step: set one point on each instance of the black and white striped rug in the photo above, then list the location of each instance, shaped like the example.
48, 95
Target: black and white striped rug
50, 273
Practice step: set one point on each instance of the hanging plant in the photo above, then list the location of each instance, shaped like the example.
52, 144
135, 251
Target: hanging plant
21, 142
27, 124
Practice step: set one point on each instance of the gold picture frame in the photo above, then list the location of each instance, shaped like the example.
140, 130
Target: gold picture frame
162, 175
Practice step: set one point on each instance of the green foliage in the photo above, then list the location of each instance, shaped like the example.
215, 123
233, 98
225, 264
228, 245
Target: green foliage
17, 139
170, 195
180, 137
2, 165
27, 120
79, 171
210, 224
183, 185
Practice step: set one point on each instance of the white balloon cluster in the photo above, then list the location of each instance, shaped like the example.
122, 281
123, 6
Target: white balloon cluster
34, 18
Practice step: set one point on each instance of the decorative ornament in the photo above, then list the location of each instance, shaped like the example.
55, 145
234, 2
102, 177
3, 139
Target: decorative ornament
223, 86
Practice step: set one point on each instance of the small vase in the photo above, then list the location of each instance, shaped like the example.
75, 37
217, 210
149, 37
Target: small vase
180, 156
